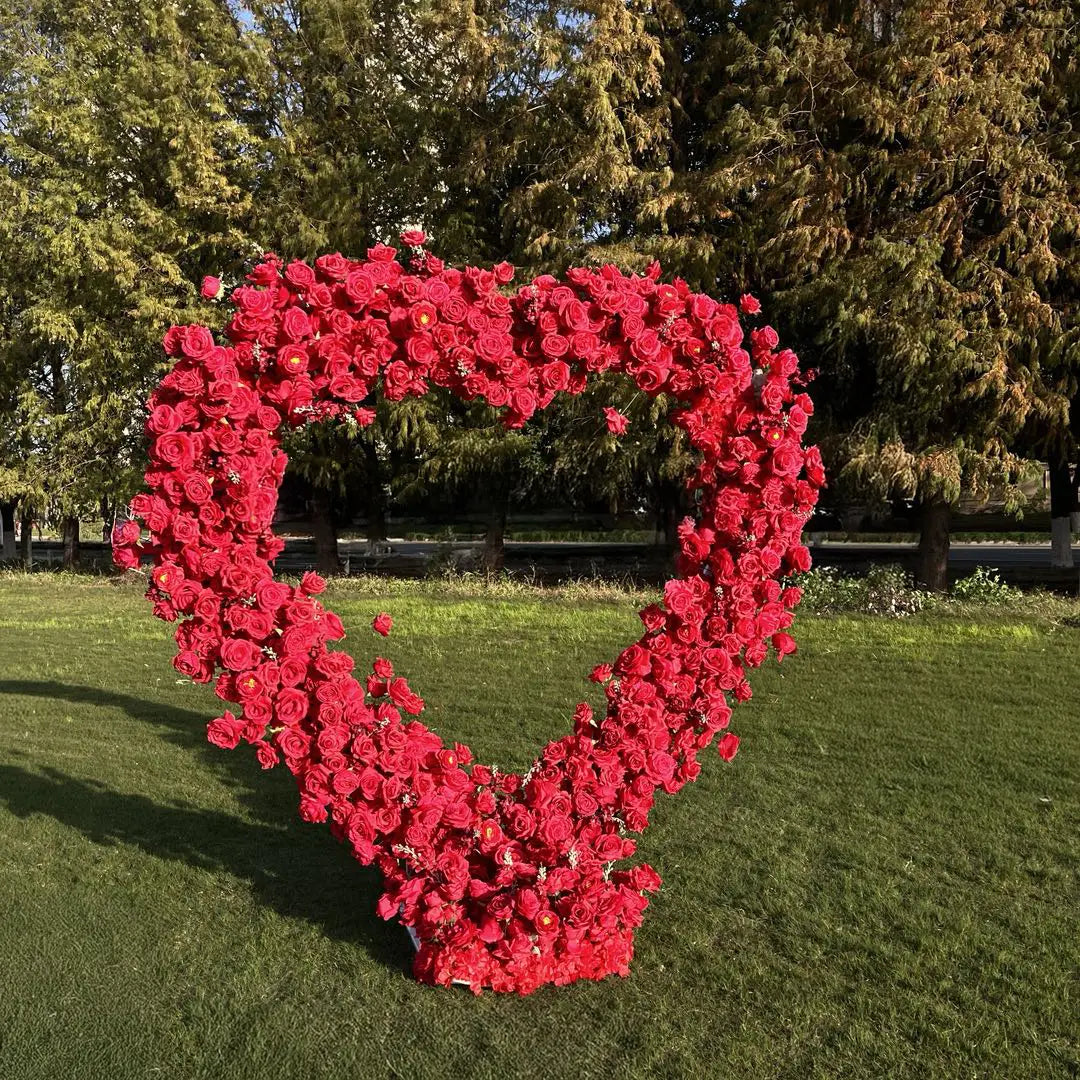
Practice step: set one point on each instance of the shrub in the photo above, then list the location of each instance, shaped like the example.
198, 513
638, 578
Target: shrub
984, 587
883, 590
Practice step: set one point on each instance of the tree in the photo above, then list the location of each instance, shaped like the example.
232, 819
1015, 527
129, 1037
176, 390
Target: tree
339, 459
888, 176
129, 136
475, 456
644, 468
894, 165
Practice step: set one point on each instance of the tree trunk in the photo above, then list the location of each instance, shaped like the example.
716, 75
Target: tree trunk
107, 514
376, 496
324, 531
670, 510
376, 520
7, 525
71, 542
26, 542
1062, 507
1075, 516
933, 569
493, 558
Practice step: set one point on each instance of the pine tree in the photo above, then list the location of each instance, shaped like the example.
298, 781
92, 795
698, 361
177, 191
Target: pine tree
886, 174
894, 179
474, 457
129, 138
642, 469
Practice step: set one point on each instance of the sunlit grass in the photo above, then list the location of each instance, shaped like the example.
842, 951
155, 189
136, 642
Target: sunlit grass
883, 883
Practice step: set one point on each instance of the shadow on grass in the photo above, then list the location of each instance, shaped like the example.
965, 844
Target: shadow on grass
185, 728
299, 871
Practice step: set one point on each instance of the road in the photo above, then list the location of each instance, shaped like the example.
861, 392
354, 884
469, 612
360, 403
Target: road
1021, 564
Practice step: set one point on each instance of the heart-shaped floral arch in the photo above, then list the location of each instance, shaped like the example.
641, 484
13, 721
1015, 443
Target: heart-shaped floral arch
507, 881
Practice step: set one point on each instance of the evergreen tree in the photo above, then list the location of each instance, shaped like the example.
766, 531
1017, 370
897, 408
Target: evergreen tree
641, 470
886, 174
475, 456
128, 152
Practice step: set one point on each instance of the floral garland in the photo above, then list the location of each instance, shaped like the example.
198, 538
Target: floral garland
508, 881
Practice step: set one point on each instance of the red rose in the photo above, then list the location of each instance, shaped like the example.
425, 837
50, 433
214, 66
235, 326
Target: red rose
556, 830
176, 449
266, 755
295, 324
360, 287
291, 705
554, 346
197, 488
334, 266
616, 422
784, 644
493, 345
300, 275
634, 661
454, 309
197, 342
749, 305
422, 316
787, 460
652, 377
211, 288
646, 345
725, 328
311, 584
414, 237
382, 624
225, 731
239, 654
127, 533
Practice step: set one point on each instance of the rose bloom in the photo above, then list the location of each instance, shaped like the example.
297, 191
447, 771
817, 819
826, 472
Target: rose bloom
616, 422
334, 266
212, 288
225, 731
300, 275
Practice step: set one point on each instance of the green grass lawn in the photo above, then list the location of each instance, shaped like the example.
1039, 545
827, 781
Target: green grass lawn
882, 884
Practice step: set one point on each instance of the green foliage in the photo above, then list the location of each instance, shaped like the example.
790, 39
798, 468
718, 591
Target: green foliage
882, 590
916, 224
643, 469
984, 586
127, 169
889, 590
898, 181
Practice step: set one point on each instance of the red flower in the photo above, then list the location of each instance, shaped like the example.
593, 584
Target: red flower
212, 288
601, 673
728, 745
616, 422
225, 731
414, 237
784, 645
749, 305
510, 881
239, 654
